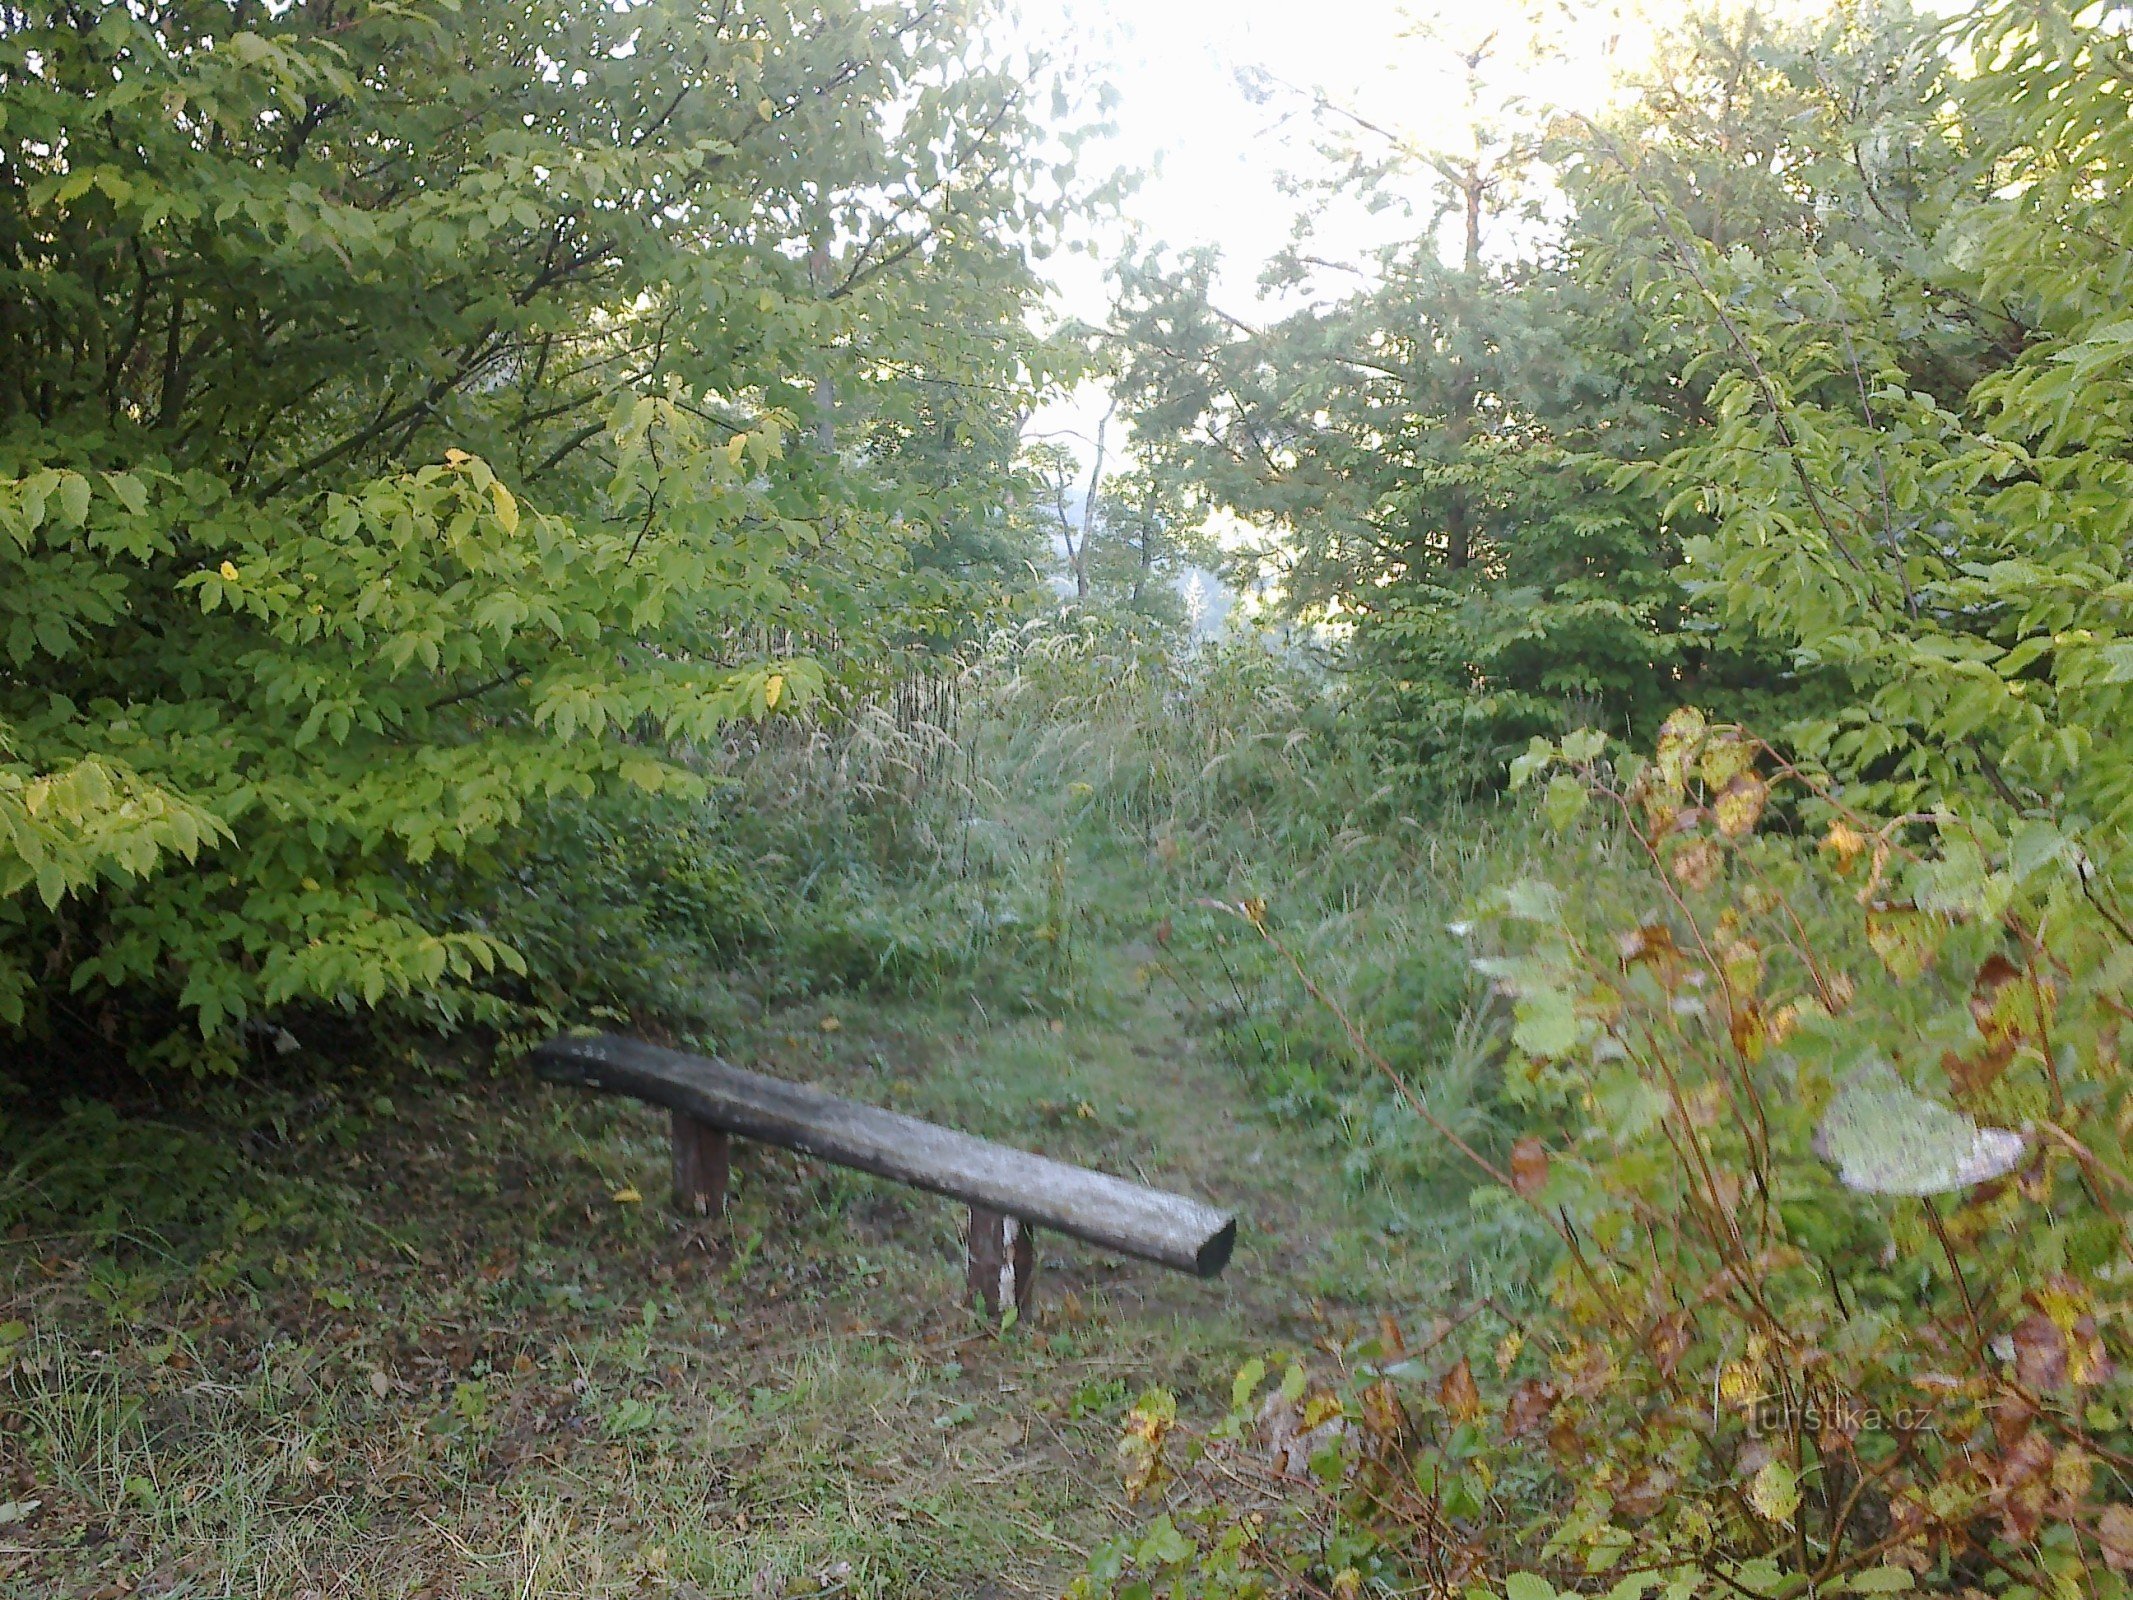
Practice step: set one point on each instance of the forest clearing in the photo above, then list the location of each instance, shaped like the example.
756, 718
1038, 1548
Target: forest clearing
1338, 807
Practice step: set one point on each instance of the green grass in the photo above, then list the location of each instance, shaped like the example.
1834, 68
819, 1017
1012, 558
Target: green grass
412, 1343
433, 1331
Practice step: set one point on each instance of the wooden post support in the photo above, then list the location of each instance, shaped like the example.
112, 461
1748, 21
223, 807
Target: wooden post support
1003, 1262
702, 1155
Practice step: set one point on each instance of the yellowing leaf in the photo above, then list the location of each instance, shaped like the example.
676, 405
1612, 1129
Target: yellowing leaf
506, 507
1843, 843
627, 1197
1726, 757
1902, 938
773, 691
1774, 1492
1739, 804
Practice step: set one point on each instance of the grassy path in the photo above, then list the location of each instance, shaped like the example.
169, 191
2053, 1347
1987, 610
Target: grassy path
437, 1339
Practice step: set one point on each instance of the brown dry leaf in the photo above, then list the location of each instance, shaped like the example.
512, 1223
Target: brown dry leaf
1458, 1395
1529, 1167
2022, 1485
1384, 1417
2114, 1533
2040, 1353
1644, 1493
2011, 1418
1969, 1075
1653, 941
1748, 1031
1670, 1341
1987, 996
1529, 1407
1588, 1369
1696, 864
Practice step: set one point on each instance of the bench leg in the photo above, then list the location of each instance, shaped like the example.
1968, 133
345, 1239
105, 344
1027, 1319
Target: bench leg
701, 1157
1003, 1263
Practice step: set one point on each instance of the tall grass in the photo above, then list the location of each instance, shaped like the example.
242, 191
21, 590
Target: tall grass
1077, 779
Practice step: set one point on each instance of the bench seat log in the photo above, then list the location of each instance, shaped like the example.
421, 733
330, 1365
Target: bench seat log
1129, 1218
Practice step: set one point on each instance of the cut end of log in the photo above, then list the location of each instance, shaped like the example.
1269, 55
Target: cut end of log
1214, 1255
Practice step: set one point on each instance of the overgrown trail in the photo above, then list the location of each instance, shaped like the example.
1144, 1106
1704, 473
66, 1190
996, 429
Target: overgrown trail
1131, 1080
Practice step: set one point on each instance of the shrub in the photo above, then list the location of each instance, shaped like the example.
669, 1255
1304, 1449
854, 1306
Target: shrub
397, 409
1830, 1135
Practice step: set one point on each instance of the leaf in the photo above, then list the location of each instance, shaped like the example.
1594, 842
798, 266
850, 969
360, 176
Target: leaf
2040, 1353
1740, 805
1774, 1492
1670, 1341
1880, 1580
1682, 727
1843, 844
1748, 1030
1564, 802
1902, 938
1696, 864
1529, 1167
1456, 1392
1726, 758
506, 507
1584, 745
1538, 755
1527, 1586
1528, 1408
74, 499
2114, 1535
1546, 1024
1531, 900
127, 488
1884, 1138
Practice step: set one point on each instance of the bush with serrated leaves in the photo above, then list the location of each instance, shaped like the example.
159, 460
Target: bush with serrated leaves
417, 419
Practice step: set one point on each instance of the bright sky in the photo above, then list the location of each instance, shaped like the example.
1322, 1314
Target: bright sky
1213, 159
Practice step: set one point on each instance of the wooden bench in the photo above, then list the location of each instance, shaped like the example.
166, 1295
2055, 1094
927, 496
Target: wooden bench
1009, 1191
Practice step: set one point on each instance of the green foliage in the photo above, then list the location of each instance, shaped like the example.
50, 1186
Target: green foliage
1424, 453
1912, 468
414, 421
1830, 1137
